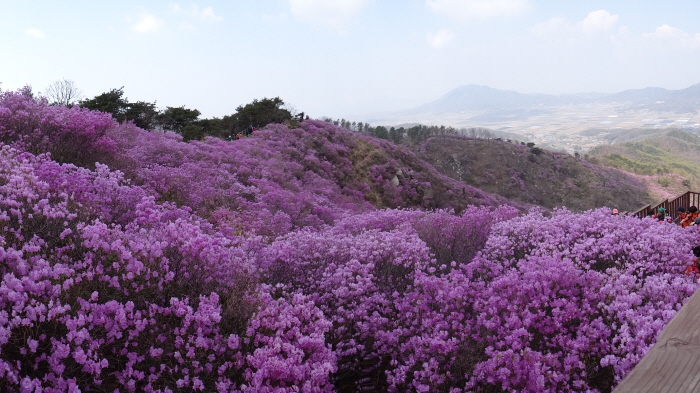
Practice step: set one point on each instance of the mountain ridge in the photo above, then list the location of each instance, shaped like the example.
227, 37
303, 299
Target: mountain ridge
473, 97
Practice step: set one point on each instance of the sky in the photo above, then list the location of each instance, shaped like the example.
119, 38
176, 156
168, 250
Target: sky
345, 58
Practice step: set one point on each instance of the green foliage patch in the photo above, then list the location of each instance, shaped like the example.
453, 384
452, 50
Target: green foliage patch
674, 152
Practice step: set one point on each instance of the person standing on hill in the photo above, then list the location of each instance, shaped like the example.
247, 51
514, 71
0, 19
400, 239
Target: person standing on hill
693, 269
680, 215
660, 215
690, 216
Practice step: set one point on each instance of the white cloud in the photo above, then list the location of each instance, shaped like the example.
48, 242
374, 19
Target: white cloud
666, 32
146, 23
205, 15
36, 33
672, 35
440, 39
564, 30
478, 8
335, 14
208, 15
600, 20
622, 35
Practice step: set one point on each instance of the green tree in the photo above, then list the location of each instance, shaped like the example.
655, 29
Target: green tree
112, 102
175, 118
192, 131
381, 132
143, 114
396, 135
259, 113
214, 127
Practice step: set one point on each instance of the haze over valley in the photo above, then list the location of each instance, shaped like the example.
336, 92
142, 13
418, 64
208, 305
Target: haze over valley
571, 123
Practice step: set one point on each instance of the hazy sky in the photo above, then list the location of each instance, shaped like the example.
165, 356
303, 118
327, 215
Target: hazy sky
345, 58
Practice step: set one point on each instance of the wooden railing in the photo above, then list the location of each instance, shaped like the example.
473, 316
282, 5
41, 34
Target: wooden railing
686, 200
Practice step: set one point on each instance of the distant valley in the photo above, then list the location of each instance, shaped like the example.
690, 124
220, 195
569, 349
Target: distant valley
571, 122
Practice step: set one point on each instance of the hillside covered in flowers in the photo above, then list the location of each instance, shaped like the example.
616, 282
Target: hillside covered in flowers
532, 175
308, 259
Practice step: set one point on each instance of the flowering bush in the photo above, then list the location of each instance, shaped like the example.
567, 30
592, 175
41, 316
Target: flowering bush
574, 301
565, 303
305, 177
74, 135
159, 303
246, 184
260, 265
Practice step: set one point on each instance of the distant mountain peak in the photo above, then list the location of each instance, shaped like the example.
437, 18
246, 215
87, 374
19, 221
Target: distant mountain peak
474, 97
478, 97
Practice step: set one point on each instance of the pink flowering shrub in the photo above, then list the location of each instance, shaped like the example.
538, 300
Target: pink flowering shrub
563, 303
132, 261
248, 184
291, 351
310, 176
280, 179
420, 184
572, 302
161, 303
74, 135
367, 274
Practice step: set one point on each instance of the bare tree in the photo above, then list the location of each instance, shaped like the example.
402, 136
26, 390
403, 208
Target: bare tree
63, 92
477, 133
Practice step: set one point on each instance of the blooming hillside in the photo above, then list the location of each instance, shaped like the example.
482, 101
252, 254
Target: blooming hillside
308, 176
533, 175
666, 160
283, 262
